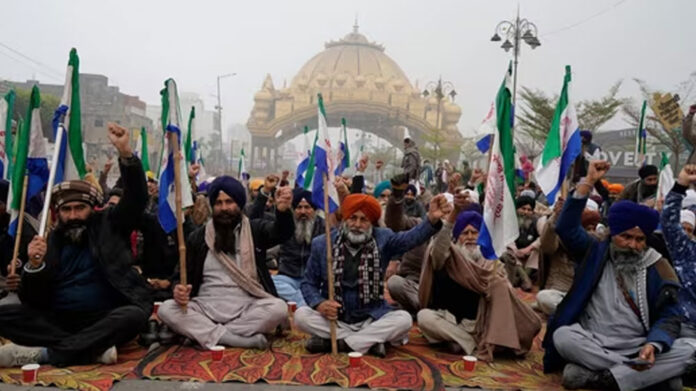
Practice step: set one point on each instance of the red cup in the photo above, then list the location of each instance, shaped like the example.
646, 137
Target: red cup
355, 359
30, 373
217, 352
156, 307
292, 307
469, 363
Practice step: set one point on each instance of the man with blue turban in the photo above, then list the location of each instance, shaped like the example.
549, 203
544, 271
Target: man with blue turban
618, 326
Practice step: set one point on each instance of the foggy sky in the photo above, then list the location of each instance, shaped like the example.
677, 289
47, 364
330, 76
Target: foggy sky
138, 44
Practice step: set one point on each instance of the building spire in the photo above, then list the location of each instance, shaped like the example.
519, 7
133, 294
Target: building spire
355, 25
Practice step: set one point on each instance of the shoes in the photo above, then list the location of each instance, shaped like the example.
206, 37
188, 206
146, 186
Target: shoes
318, 345
150, 336
576, 377
454, 348
165, 335
378, 350
108, 357
12, 355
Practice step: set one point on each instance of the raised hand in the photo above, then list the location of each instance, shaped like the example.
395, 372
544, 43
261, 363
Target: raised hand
120, 138
283, 198
362, 163
439, 207
270, 183
597, 170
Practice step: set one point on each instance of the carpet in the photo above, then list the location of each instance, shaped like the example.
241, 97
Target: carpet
94, 377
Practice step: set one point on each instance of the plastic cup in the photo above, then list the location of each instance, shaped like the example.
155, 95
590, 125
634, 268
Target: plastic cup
469, 363
292, 306
156, 307
30, 373
217, 352
355, 359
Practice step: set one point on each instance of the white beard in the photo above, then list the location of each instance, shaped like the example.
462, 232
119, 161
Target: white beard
472, 253
356, 239
303, 230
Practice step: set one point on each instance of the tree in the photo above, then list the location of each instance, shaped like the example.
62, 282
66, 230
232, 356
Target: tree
534, 116
436, 147
49, 104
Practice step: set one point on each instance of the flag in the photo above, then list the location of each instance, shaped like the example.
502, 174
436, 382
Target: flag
167, 195
665, 181
6, 148
30, 159
563, 144
197, 157
243, 174
311, 167
71, 160
484, 144
304, 160
499, 226
142, 151
641, 138
189, 136
343, 158
324, 163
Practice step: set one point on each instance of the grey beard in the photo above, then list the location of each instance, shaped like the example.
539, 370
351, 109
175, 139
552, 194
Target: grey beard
75, 235
525, 222
626, 262
472, 253
303, 230
356, 239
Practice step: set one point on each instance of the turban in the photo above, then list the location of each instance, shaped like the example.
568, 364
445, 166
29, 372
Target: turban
116, 191
525, 200
361, 202
76, 190
255, 183
151, 176
381, 187
473, 195
615, 188
687, 216
586, 136
411, 189
624, 215
300, 194
646, 171
528, 193
230, 186
590, 217
465, 219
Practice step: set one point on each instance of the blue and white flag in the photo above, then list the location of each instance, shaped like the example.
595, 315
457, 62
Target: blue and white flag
167, 200
343, 157
304, 160
324, 163
242, 173
71, 160
484, 144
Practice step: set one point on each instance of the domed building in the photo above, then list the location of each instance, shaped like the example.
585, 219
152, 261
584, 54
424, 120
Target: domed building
359, 82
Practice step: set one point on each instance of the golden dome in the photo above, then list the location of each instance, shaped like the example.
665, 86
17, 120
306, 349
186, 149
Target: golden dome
352, 61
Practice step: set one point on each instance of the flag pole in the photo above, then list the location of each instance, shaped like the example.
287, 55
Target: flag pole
173, 139
20, 224
329, 262
51, 179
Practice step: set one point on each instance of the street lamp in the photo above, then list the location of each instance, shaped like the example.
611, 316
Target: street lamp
219, 107
439, 89
514, 32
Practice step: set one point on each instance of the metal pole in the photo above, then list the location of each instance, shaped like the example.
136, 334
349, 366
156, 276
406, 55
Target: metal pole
219, 123
517, 52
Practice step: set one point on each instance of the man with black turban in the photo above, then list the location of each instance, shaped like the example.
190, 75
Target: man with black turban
230, 299
643, 188
294, 252
617, 327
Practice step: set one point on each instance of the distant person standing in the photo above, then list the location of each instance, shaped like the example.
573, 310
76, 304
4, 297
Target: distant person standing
411, 162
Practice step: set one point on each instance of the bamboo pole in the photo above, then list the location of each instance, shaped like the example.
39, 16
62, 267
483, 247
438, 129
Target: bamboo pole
174, 140
20, 225
329, 263
46, 211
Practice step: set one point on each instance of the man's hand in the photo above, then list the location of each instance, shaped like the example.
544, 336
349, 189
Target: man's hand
439, 207
270, 183
462, 199
392, 268
476, 176
329, 309
285, 175
120, 138
194, 169
596, 171
36, 251
362, 163
109, 163
13, 280
453, 182
647, 354
379, 164
687, 175
558, 206
159, 284
182, 294
283, 198
692, 109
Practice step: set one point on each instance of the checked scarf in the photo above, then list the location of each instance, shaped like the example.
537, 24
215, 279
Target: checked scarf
370, 281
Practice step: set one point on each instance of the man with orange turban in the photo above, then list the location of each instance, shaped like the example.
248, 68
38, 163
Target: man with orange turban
361, 252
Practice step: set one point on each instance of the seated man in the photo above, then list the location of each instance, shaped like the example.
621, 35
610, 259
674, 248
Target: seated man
80, 295
616, 328
412, 206
361, 253
295, 251
682, 247
522, 256
466, 297
230, 299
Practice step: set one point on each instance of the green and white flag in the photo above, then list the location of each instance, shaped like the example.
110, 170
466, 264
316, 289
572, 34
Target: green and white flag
142, 151
189, 137
71, 164
666, 179
242, 174
6, 148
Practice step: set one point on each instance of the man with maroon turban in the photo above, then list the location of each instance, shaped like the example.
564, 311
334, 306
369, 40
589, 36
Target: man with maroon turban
361, 252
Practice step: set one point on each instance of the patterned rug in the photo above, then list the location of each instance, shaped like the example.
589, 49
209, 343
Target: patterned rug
85, 377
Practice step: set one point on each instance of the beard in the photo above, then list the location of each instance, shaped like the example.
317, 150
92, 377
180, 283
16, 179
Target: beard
225, 224
357, 237
524, 221
627, 262
73, 231
648, 190
409, 201
304, 226
471, 251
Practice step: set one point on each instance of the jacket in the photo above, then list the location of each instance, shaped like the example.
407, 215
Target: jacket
391, 245
411, 161
662, 286
266, 234
397, 221
108, 238
294, 255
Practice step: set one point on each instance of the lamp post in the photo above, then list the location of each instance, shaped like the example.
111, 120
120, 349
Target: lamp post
516, 30
219, 110
440, 90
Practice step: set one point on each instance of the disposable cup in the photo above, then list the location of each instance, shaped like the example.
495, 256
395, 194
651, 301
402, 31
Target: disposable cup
292, 306
355, 359
30, 373
156, 307
217, 352
469, 363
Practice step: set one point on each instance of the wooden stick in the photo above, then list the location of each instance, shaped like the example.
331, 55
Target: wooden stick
490, 152
20, 225
173, 139
329, 263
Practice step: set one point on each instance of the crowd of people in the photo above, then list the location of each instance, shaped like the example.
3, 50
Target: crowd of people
613, 269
